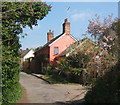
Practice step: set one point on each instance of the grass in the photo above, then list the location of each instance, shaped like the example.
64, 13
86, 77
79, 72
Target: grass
21, 94
58, 80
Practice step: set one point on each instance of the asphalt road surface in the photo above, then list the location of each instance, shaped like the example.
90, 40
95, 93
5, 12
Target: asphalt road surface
39, 91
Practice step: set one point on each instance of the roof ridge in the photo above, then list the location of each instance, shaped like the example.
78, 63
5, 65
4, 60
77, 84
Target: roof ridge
48, 43
72, 48
24, 52
79, 44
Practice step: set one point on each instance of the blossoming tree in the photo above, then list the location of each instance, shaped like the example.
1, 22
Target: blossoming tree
105, 35
103, 31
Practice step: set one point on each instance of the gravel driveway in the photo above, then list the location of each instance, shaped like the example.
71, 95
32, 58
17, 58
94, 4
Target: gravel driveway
39, 91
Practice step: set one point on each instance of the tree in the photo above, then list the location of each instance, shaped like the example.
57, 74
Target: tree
106, 37
107, 88
15, 17
103, 32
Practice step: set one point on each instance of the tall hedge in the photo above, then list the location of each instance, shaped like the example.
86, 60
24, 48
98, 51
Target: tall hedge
15, 17
107, 88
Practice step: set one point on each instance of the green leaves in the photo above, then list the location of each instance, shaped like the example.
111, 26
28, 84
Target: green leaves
70, 68
78, 60
106, 89
25, 13
15, 17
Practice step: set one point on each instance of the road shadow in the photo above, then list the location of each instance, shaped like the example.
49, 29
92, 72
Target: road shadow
39, 77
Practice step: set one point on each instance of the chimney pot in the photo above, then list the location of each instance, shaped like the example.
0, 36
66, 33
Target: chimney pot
66, 20
50, 35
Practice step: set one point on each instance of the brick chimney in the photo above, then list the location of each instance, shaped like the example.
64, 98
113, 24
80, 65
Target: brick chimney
50, 36
66, 27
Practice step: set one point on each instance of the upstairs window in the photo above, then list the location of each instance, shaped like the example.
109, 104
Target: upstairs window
56, 50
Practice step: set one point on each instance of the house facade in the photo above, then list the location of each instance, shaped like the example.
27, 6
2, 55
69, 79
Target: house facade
52, 49
25, 54
62, 45
55, 46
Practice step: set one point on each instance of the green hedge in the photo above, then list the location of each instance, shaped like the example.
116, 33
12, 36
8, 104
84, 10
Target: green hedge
106, 89
15, 17
12, 93
11, 89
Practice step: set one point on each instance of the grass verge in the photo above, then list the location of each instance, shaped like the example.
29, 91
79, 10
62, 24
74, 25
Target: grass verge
57, 80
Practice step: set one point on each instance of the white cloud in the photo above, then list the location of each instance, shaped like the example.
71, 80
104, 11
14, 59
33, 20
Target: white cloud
80, 16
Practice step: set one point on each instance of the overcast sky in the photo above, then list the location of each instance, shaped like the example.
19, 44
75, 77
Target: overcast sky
78, 13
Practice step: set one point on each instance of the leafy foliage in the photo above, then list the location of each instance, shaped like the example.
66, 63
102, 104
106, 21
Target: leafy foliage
107, 87
10, 95
105, 32
78, 60
69, 69
15, 17
42, 61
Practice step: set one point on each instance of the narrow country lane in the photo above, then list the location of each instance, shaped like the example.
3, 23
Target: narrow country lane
39, 91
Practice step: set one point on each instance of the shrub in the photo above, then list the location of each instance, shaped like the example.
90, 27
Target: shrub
79, 60
106, 89
69, 68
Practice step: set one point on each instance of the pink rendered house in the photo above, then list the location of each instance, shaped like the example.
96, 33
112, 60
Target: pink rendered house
55, 46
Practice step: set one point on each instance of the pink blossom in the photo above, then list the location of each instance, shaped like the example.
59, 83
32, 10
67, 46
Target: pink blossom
30, 6
105, 38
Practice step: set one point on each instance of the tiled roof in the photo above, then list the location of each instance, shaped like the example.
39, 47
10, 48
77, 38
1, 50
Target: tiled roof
24, 52
47, 44
73, 47
67, 50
